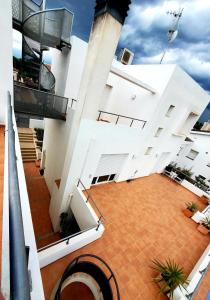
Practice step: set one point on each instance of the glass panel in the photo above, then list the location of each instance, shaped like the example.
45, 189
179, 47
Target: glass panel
112, 177
103, 178
94, 180
39, 103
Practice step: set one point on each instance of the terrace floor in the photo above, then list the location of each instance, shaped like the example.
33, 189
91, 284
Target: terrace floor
39, 198
144, 221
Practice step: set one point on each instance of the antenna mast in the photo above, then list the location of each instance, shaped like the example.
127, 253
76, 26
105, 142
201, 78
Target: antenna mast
173, 30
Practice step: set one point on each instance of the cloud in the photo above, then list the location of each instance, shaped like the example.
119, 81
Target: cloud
146, 28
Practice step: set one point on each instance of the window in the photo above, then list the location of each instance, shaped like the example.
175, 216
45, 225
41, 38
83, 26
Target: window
103, 178
158, 132
192, 154
148, 151
94, 180
169, 111
111, 177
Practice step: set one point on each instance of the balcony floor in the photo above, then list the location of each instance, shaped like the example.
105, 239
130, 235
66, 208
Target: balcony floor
39, 198
144, 222
1, 182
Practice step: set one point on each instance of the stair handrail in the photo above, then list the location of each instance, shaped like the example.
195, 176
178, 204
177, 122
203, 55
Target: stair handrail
76, 260
19, 275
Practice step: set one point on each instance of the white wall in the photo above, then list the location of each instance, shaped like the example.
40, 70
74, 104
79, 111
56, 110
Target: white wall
83, 212
57, 132
198, 166
61, 249
35, 123
6, 69
33, 262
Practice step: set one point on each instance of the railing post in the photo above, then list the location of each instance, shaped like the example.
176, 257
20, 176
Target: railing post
117, 119
99, 223
131, 123
99, 115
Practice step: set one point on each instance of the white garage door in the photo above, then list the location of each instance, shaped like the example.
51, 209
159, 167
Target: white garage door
110, 164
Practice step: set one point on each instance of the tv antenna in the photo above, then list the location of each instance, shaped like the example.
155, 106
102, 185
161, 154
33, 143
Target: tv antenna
173, 30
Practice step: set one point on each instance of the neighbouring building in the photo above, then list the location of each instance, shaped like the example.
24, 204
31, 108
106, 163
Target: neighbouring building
194, 155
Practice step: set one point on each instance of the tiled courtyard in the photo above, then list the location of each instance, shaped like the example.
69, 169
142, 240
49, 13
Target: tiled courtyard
39, 198
144, 221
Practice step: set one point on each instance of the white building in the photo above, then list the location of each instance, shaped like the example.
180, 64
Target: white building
128, 121
194, 155
147, 112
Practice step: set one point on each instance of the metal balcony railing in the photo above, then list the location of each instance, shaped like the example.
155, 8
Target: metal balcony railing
89, 199
19, 275
35, 102
120, 119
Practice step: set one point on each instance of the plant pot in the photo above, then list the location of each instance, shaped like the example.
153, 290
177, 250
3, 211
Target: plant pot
161, 284
204, 200
203, 229
188, 213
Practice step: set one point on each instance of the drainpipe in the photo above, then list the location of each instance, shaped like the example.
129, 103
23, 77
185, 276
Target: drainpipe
106, 29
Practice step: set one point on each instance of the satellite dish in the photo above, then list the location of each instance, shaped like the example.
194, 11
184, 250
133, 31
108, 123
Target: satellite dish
172, 34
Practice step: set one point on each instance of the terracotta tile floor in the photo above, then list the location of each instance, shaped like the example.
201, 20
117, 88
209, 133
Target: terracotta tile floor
1, 181
39, 198
204, 288
144, 221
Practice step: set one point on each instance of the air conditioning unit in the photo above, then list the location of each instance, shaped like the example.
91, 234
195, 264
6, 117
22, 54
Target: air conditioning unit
126, 56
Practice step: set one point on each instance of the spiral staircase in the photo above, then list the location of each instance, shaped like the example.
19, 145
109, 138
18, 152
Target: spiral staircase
87, 277
41, 28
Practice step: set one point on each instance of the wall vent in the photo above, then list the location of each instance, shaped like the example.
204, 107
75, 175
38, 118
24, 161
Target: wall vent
126, 56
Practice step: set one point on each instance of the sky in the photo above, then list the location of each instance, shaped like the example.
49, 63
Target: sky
145, 33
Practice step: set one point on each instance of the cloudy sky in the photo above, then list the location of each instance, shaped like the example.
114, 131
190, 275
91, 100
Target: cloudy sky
145, 30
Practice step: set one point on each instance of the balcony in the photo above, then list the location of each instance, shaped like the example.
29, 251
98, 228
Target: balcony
39, 103
120, 120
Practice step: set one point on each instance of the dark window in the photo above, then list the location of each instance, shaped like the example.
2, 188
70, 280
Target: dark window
112, 177
103, 178
94, 180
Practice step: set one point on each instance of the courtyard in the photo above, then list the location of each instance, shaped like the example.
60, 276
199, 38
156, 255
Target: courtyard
144, 221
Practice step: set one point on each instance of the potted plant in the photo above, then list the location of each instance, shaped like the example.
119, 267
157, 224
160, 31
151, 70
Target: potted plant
204, 226
191, 208
170, 276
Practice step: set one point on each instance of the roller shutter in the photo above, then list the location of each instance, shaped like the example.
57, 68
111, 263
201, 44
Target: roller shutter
110, 164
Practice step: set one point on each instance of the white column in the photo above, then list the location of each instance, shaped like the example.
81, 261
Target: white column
6, 63
101, 49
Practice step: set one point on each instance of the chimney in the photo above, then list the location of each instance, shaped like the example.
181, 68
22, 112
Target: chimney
108, 20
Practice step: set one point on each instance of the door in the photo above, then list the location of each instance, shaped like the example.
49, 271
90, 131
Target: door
109, 167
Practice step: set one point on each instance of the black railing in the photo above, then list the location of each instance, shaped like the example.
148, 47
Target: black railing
66, 239
133, 121
35, 102
89, 198
90, 259
19, 275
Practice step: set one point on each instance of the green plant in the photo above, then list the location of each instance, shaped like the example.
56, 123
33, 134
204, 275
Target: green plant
171, 276
192, 206
206, 222
187, 172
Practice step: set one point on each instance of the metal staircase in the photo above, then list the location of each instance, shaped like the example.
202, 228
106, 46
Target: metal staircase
41, 28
